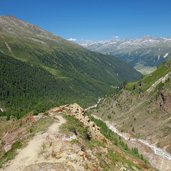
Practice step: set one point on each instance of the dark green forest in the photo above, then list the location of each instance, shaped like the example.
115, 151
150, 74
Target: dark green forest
27, 87
40, 70
24, 87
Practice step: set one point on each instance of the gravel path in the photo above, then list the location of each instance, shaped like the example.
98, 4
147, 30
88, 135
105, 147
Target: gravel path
30, 154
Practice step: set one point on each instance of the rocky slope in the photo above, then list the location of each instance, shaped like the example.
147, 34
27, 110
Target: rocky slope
142, 112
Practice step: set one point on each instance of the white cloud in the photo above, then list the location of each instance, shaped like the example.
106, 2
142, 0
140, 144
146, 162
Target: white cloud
116, 37
72, 39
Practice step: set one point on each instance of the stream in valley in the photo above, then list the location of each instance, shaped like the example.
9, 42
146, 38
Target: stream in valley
158, 158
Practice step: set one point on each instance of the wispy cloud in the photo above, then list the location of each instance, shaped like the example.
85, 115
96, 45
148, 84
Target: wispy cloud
72, 39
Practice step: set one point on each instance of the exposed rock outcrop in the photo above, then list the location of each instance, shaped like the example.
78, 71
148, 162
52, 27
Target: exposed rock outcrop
79, 113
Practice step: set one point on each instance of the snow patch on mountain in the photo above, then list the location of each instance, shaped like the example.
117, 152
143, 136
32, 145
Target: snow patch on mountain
166, 55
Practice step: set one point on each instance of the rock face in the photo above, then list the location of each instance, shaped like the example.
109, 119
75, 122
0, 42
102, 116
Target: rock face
164, 100
94, 132
79, 113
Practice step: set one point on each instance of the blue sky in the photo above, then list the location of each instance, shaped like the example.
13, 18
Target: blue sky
94, 19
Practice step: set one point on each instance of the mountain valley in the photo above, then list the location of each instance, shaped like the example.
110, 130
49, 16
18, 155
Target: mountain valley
145, 54
52, 71
92, 106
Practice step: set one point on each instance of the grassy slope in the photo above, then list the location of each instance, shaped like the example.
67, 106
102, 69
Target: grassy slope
64, 58
39, 69
23, 92
30, 87
150, 79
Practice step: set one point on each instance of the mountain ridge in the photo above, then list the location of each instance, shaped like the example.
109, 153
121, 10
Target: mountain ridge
84, 75
147, 51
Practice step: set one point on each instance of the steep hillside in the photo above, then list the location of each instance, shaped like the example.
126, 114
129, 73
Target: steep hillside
143, 54
62, 139
142, 111
40, 69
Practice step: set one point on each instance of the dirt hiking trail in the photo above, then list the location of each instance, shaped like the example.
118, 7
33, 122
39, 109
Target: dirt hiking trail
30, 154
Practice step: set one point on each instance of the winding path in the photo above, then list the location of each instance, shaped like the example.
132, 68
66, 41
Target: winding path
30, 154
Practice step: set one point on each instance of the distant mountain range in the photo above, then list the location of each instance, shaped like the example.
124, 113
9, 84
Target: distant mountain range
147, 52
40, 70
